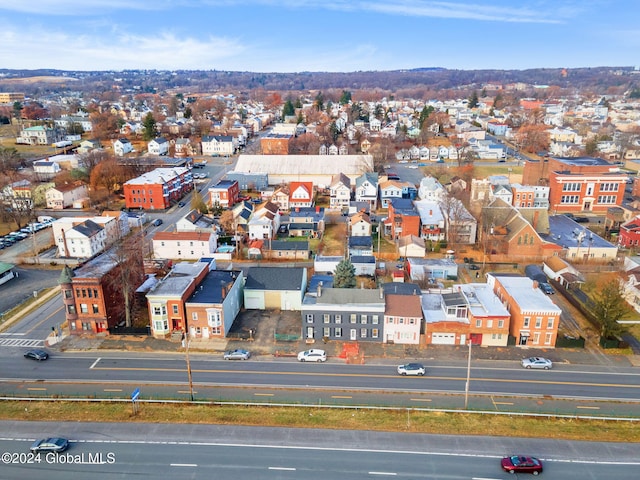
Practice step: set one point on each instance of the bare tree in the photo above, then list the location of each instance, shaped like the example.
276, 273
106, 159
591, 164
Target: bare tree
128, 272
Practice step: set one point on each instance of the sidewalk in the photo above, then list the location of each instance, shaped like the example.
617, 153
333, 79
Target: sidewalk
372, 352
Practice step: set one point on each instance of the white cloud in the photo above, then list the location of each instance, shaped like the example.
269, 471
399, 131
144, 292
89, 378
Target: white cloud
50, 49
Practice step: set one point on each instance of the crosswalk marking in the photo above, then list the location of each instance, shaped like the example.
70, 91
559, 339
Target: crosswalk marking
21, 342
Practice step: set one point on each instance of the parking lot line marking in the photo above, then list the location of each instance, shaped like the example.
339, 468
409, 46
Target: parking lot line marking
263, 394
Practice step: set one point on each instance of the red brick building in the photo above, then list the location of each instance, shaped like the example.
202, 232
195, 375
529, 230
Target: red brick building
158, 189
583, 184
275, 144
93, 295
629, 235
224, 193
403, 219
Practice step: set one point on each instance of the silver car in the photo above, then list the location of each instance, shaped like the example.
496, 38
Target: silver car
537, 362
411, 369
55, 444
238, 354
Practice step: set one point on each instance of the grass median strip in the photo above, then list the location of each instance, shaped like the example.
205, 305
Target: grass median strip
411, 421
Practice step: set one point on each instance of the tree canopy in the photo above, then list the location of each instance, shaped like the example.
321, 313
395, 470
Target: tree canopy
609, 306
345, 276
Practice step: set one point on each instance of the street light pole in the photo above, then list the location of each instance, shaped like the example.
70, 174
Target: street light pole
466, 386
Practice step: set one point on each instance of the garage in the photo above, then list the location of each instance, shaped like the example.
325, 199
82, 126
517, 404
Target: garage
254, 300
443, 338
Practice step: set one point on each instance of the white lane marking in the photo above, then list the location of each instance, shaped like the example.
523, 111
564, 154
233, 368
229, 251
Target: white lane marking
183, 464
9, 333
95, 363
21, 342
288, 469
390, 474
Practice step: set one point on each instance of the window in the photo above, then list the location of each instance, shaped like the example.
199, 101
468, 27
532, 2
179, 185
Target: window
610, 199
72, 325
547, 338
363, 319
95, 308
569, 199
525, 324
363, 333
374, 319
374, 333
95, 293
326, 332
500, 323
194, 315
571, 187
352, 318
86, 326
489, 323
538, 322
338, 332
550, 322
609, 187
175, 309
536, 338
84, 308
309, 318
68, 294
338, 318
71, 309
478, 323
325, 318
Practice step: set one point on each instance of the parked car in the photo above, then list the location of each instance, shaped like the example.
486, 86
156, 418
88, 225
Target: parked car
237, 354
521, 464
473, 266
181, 204
39, 355
55, 444
157, 222
581, 219
546, 288
537, 362
313, 355
412, 369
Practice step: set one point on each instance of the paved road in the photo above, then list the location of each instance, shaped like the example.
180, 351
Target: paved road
495, 386
110, 450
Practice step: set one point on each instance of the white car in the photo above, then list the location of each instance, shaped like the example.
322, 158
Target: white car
412, 369
313, 355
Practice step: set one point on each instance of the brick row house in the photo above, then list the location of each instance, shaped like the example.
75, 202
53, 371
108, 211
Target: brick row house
93, 296
225, 193
158, 189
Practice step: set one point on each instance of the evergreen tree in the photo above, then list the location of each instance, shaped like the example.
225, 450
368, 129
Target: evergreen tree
288, 110
424, 114
345, 97
609, 307
149, 127
473, 100
345, 276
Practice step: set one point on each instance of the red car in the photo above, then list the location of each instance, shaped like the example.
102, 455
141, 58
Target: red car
521, 464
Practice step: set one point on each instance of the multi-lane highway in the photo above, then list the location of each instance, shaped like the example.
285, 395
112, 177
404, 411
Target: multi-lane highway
105, 451
566, 388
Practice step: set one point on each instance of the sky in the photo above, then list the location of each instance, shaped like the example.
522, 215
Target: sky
317, 35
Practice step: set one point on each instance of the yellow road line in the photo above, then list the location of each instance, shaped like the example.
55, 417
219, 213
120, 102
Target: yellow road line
112, 390
34, 388
420, 400
340, 396
588, 408
263, 394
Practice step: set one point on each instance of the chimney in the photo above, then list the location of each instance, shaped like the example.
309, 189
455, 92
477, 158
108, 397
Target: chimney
381, 293
317, 209
319, 289
535, 284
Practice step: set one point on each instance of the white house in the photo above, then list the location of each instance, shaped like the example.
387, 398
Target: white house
122, 146
65, 196
367, 189
218, 145
158, 146
264, 222
184, 245
340, 191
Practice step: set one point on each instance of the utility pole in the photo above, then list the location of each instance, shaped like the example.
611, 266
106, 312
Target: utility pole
466, 386
187, 341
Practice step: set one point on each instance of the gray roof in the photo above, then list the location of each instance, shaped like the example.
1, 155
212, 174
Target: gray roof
88, 228
274, 278
212, 290
300, 245
346, 296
